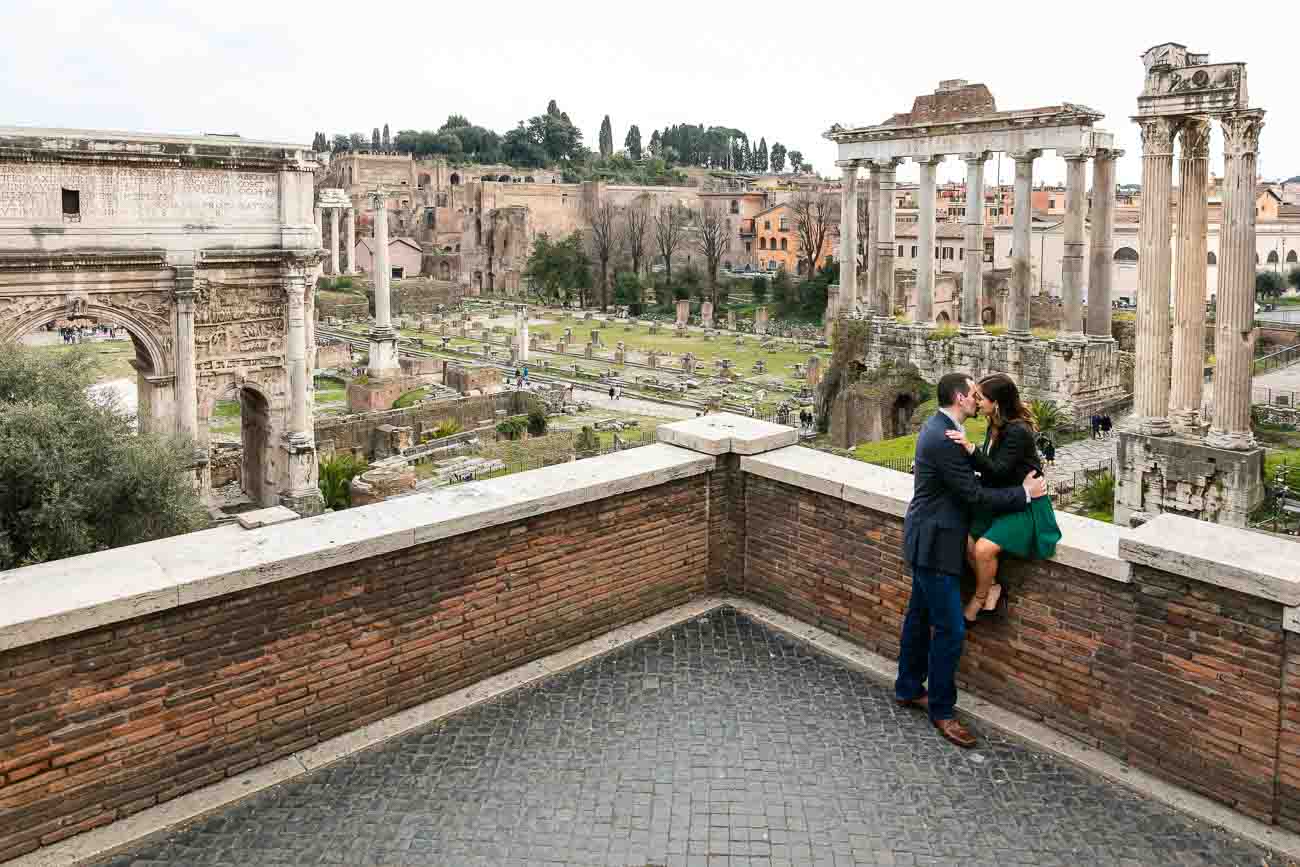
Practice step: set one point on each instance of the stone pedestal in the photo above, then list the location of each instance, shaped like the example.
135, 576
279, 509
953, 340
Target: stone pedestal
1184, 476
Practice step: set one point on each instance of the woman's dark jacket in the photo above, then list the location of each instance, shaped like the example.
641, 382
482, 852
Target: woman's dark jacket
1008, 460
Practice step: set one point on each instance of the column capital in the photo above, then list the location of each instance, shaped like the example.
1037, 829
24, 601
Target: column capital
849, 167
1157, 135
1241, 131
887, 165
929, 159
1194, 136
849, 164
976, 157
1025, 156
1076, 154
1108, 154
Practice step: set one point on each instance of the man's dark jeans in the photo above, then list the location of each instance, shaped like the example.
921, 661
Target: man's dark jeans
935, 602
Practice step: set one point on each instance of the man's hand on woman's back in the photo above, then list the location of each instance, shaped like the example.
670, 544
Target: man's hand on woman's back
1035, 485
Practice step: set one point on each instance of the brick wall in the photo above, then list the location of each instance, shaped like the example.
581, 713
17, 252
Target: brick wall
102, 724
1185, 680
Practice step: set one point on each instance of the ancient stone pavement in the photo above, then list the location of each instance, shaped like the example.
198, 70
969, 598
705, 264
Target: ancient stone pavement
1082, 455
717, 742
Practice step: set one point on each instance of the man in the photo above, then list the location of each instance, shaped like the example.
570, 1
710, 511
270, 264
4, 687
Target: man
1096, 425
934, 544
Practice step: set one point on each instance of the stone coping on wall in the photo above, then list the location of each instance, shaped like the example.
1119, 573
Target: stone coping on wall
1256, 564
67, 596
1086, 544
723, 433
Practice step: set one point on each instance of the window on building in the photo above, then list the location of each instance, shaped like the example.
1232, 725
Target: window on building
428, 219
784, 224
1272, 257
771, 266
1291, 257
913, 251
767, 224
749, 246
735, 206
900, 251
1051, 203
71, 204
762, 243
961, 253
1126, 254
785, 243
1211, 259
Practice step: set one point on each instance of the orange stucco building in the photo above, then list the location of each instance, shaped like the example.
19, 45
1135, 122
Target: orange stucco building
776, 241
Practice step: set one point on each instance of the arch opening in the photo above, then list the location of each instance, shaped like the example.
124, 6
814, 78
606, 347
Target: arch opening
1126, 254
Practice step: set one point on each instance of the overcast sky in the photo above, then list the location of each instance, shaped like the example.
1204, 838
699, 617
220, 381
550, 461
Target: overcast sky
785, 71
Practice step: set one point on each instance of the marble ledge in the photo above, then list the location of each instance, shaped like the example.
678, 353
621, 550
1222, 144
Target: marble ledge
1092, 546
75, 594
727, 433
1257, 564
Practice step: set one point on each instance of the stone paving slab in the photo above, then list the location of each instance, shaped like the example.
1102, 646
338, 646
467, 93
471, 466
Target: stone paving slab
716, 742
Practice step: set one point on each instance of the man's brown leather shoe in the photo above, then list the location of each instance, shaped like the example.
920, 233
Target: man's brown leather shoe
921, 702
956, 732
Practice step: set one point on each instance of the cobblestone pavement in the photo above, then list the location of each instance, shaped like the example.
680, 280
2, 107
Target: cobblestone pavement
717, 742
1081, 455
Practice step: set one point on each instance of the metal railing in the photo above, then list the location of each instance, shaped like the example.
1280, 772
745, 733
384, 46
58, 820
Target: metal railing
1284, 357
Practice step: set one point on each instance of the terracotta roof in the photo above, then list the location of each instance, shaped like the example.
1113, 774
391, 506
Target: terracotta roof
369, 243
941, 230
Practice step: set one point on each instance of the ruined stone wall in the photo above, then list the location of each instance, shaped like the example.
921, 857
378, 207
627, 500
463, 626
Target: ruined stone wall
356, 433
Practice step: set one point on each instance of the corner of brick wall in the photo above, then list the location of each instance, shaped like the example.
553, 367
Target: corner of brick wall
727, 525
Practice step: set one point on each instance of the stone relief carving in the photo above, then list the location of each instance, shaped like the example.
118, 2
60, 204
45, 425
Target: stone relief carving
76, 305
16, 308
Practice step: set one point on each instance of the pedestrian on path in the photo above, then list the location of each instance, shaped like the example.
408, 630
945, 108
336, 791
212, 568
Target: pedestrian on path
1096, 426
1105, 426
611, 392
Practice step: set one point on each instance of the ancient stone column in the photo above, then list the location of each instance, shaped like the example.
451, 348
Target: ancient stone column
334, 240
873, 229
886, 185
848, 238
187, 393
1188, 365
1151, 364
1076, 200
972, 283
1100, 241
350, 217
295, 288
1022, 258
925, 241
383, 339
521, 333
320, 228
1234, 318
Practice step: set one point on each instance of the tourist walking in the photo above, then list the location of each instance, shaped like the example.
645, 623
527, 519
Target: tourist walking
611, 392
1096, 425
1008, 454
1105, 427
935, 540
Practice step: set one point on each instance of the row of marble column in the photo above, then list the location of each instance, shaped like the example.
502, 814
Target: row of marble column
881, 187
350, 220
1168, 387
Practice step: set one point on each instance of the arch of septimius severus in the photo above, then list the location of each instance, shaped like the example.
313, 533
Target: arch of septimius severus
203, 249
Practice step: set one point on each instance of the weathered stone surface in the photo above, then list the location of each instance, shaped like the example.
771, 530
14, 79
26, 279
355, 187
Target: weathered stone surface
724, 433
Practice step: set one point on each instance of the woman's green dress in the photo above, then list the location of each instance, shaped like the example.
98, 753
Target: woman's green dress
1031, 534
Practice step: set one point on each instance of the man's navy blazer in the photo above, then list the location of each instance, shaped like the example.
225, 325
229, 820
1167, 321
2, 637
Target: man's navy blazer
945, 491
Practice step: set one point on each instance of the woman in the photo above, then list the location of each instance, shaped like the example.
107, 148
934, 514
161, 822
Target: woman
1008, 455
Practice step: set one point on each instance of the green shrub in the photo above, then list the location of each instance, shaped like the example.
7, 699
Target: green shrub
445, 429
409, 398
996, 330
536, 421
1099, 492
512, 428
943, 332
335, 480
1047, 415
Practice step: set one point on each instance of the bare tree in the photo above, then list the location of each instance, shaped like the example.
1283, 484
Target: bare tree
636, 234
602, 225
670, 233
713, 239
814, 215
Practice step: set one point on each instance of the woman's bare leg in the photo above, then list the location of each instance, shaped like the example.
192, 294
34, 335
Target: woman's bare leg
980, 597
986, 572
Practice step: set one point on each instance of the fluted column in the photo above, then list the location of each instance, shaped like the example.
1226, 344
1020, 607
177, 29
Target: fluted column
334, 240
1022, 259
873, 230
295, 287
848, 239
886, 183
1151, 364
1234, 317
187, 393
1100, 241
972, 283
1187, 383
1076, 199
320, 228
350, 217
925, 241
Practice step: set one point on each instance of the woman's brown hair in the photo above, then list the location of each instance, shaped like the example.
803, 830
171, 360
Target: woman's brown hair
1007, 406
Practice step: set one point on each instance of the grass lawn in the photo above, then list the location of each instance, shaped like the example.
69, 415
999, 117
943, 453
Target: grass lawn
112, 357
900, 450
225, 418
